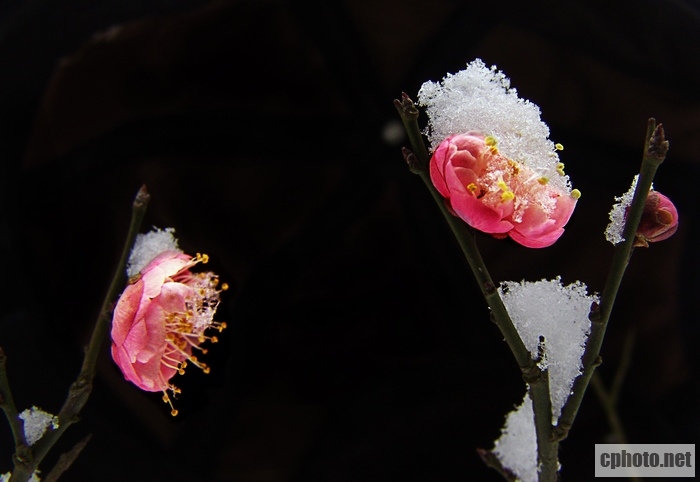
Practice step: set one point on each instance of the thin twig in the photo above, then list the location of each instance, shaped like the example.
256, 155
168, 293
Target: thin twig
623, 367
80, 389
609, 408
491, 460
66, 460
655, 150
608, 399
22, 453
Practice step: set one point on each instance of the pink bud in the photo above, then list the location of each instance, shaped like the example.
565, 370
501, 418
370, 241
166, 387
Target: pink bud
497, 195
659, 220
160, 319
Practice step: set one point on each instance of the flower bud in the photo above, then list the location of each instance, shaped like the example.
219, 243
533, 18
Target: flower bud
659, 220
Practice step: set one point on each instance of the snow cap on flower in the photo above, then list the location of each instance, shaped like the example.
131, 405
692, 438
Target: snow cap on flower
148, 246
36, 422
559, 314
492, 159
162, 317
480, 99
659, 218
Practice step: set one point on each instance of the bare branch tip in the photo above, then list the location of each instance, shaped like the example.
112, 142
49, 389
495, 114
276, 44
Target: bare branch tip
491, 460
406, 105
658, 145
410, 158
142, 197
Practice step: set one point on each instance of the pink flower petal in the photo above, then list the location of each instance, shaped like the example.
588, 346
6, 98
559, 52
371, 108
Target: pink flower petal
458, 179
437, 169
125, 311
164, 266
478, 215
172, 297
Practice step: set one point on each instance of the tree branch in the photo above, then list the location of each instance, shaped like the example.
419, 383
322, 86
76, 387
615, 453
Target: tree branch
655, 149
82, 387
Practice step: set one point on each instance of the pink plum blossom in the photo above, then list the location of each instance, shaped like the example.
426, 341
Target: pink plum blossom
161, 317
659, 220
497, 195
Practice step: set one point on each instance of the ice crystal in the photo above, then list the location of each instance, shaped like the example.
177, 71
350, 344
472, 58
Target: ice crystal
618, 214
480, 99
552, 320
148, 246
36, 422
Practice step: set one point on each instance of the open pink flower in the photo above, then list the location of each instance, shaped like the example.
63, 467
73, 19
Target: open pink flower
161, 317
497, 195
659, 220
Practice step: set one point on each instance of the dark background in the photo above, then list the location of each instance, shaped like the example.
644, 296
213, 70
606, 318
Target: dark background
358, 346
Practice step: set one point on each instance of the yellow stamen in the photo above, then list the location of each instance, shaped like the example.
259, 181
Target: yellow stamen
507, 196
491, 142
575, 193
166, 399
514, 166
224, 286
165, 361
543, 180
199, 364
502, 185
560, 168
472, 187
558, 147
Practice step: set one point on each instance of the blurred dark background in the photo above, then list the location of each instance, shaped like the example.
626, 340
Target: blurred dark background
358, 346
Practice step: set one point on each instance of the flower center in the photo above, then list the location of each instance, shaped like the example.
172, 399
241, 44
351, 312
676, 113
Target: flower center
185, 331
